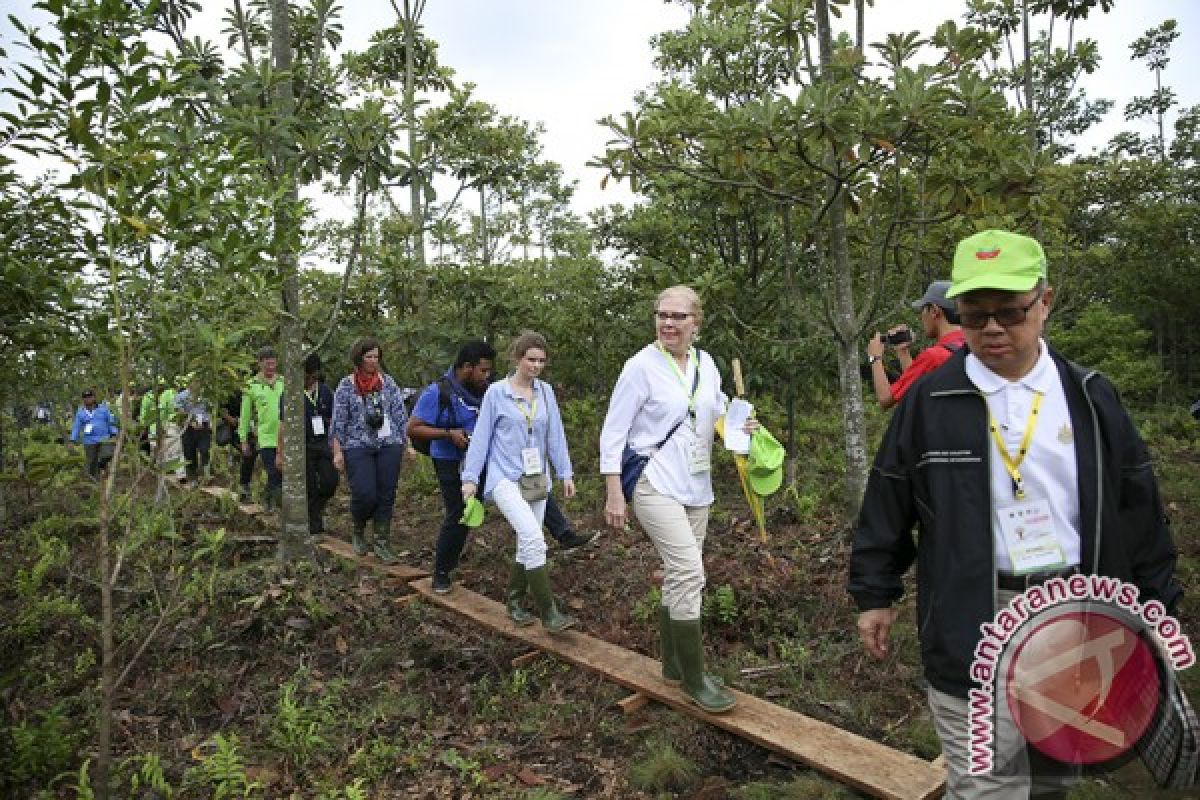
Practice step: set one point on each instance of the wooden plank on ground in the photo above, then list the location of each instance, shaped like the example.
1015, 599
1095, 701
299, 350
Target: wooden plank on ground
635, 702
526, 658
253, 509
867, 765
342, 548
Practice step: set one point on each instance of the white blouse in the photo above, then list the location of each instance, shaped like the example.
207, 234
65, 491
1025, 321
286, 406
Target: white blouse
647, 401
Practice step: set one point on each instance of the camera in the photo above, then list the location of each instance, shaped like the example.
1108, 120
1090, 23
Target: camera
373, 410
901, 336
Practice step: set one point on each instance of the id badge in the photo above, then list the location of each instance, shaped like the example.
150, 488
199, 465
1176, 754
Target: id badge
201, 419
385, 430
318, 426
87, 429
1029, 536
699, 457
531, 457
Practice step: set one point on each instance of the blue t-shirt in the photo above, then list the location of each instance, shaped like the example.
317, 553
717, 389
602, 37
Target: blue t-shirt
462, 412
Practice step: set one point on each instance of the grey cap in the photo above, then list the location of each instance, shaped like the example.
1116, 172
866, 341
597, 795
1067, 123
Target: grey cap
935, 295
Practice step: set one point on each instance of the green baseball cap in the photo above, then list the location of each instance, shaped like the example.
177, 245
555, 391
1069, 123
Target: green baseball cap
1000, 260
472, 515
764, 464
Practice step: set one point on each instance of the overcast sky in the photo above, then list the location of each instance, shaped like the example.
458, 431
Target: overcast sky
567, 63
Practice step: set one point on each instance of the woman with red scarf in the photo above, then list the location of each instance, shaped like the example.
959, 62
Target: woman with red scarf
367, 432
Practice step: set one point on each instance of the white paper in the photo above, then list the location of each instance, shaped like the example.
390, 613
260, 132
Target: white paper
737, 440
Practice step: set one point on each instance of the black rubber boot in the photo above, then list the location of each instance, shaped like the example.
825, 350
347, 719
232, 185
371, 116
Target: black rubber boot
553, 620
703, 689
515, 599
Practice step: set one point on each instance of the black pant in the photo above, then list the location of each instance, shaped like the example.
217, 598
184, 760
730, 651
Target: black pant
245, 465
452, 537
321, 480
196, 444
373, 473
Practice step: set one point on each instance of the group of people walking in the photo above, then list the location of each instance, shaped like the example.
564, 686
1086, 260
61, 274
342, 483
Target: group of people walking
987, 421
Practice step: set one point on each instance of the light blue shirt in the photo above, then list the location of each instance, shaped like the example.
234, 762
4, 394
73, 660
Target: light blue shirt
502, 432
96, 425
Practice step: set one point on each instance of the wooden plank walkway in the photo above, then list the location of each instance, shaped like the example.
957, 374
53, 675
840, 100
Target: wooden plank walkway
869, 766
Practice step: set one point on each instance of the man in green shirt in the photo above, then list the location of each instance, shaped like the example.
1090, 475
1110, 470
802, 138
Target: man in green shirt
260, 408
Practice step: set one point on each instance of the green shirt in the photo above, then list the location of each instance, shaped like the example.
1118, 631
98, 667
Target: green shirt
166, 409
260, 403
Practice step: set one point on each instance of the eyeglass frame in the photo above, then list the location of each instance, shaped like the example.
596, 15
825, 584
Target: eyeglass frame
673, 316
963, 316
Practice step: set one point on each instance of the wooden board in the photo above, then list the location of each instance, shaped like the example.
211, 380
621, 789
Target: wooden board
869, 766
340, 547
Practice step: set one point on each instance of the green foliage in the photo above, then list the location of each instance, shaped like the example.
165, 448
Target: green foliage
223, 771
38, 750
805, 787
469, 771
148, 772
646, 609
301, 726
1111, 342
662, 768
720, 605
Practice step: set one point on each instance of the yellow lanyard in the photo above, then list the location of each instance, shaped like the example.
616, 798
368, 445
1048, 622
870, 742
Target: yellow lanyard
312, 398
1011, 464
682, 380
532, 410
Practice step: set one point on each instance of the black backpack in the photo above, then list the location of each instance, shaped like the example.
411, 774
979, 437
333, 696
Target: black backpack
444, 404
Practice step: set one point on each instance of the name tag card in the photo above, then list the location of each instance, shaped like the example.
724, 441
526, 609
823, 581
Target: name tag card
385, 430
1029, 536
699, 457
318, 426
532, 459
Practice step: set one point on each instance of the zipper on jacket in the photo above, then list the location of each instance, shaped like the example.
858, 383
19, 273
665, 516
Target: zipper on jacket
1099, 471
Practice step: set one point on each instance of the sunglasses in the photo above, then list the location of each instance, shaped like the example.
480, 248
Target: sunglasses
1006, 317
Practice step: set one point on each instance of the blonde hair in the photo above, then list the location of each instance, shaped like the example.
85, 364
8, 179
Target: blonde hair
688, 294
526, 341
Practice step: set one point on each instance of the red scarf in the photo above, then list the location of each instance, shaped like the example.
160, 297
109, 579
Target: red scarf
367, 382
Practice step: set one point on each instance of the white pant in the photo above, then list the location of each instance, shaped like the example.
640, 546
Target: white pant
526, 520
677, 532
1010, 776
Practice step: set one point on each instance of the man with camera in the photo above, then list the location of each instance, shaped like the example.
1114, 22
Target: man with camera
939, 322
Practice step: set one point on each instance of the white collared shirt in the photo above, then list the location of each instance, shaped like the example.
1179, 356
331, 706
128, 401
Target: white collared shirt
648, 399
1049, 470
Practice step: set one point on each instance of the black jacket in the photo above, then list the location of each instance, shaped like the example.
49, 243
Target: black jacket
932, 473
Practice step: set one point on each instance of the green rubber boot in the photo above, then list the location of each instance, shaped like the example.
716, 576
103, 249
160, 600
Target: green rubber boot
383, 542
704, 690
358, 538
553, 620
670, 662
517, 586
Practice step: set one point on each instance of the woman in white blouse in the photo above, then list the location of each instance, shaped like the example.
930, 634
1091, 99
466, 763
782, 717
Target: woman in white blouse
665, 407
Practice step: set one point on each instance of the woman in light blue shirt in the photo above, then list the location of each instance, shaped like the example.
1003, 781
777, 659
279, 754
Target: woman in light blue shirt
518, 437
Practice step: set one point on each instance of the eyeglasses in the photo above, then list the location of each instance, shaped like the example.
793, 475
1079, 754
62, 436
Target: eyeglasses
1005, 317
673, 316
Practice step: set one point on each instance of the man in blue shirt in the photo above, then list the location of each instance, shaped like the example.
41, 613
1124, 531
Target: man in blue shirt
96, 425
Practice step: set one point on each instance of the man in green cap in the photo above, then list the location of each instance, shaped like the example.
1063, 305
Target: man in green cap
1006, 430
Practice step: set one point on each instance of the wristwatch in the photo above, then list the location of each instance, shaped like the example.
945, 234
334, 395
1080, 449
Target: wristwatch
872, 359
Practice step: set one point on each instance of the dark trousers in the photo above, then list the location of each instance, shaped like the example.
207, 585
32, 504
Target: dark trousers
452, 537
245, 465
96, 457
321, 480
274, 476
196, 444
555, 521
373, 474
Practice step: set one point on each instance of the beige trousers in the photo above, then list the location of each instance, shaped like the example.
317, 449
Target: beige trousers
677, 532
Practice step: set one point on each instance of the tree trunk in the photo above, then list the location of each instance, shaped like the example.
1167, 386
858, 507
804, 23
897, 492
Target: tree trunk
287, 239
409, 19
484, 255
844, 323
